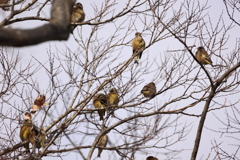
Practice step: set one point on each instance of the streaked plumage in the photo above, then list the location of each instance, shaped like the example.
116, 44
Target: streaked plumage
113, 98
151, 158
102, 143
100, 102
202, 56
138, 45
77, 15
149, 90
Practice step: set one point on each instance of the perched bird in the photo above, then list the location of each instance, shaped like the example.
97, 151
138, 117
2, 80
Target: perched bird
138, 45
25, 132
77, 15
112, 98
37, 138
100, 102
149, 90
102, 143
30, 132
202, 56
151, 158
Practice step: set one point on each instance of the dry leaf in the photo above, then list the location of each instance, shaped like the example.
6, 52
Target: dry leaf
35, 107
39, 102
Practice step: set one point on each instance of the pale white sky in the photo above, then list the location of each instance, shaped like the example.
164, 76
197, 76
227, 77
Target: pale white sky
155, 52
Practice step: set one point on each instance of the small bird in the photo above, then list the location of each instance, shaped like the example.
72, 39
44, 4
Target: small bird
151, 158
138, 45
112, 98
102, 143
149, 90
30, 132
37, 138
77, 15
203, 57
100, 102
25, 132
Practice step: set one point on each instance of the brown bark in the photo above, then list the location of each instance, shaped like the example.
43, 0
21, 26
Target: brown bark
57, 29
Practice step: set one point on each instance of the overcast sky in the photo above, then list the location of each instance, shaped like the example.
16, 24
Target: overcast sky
40, 52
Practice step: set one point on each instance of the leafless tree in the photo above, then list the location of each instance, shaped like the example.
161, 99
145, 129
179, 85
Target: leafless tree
70, 79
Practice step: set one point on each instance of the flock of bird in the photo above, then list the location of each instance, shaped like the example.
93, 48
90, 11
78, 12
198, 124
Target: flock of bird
30, 132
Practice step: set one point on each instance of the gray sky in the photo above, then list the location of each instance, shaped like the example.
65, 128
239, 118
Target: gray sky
154, 53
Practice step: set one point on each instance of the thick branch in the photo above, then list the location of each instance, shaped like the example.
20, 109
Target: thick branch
205, 110
57, 29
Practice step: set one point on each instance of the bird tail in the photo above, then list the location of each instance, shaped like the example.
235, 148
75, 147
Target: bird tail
26, 146
136, 60
72, 28
101, 114
99, 152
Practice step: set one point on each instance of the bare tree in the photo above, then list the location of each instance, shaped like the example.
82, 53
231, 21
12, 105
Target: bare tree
71, 78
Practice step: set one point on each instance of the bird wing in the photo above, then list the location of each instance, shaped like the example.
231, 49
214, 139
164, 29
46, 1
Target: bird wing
135, 44
113, 98
206, 57
103, 99
142, 44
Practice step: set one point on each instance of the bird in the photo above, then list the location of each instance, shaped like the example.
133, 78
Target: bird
37, 138
30, 132
151, 158
112, 98
25, 132
202, 56
77, 15
149, 90
138, 45
100, 102
102, 143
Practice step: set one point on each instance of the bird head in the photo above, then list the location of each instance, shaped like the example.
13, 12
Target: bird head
152, 83
99, 95
27, 122
79, 5
201, 48
138, 34
151, 158
113, 90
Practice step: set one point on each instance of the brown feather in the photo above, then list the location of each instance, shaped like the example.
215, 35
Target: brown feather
203, 57
100, 102
102, 143
151, 158
113, 99
149, 90
138, 45
78, 15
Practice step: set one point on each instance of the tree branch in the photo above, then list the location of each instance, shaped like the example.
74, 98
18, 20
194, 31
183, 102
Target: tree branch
57, 29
